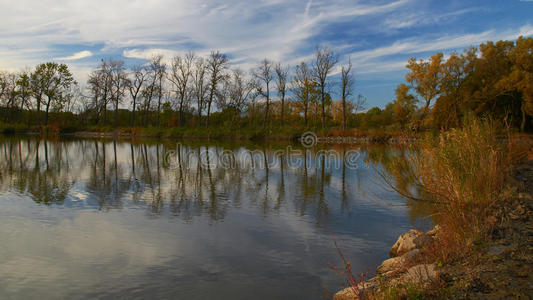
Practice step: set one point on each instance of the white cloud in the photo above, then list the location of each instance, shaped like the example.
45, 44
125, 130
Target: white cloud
251, 30
246, 30
77, 55
372, 60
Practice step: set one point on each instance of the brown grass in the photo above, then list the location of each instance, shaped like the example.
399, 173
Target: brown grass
463, 172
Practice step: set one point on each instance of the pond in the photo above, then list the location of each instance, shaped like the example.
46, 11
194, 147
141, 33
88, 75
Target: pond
87, 218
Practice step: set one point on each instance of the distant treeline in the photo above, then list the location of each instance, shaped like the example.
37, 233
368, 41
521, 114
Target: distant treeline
493, 80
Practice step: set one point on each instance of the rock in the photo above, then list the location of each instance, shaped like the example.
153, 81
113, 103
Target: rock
346, 294
391, 264
413, 239
420, 274
497, 250
433, 232
397, 263
363, 288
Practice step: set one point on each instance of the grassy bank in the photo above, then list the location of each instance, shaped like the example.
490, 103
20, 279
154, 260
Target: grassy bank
466, 175
244, 133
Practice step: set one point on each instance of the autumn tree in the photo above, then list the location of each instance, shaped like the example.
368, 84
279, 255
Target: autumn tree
455, 75
404, 105
424, 78
522, 75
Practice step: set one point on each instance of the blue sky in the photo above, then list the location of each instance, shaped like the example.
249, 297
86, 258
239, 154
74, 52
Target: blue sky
379, 36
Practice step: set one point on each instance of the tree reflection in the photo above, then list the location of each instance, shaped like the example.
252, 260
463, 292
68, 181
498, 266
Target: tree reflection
113, 174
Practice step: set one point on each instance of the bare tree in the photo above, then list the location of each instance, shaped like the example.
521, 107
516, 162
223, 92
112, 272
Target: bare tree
282, 74
325, 60
347, 83
158, 71
303, 86
264, 75
118, 85
200, 85
135, 86
240, 91
216, 64
8, 88
359, 104
99, 84
180, 75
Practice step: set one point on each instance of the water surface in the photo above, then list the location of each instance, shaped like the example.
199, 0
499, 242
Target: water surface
106, 219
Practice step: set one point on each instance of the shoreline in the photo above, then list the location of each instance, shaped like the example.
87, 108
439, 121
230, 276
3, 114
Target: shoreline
320, 139
500, 268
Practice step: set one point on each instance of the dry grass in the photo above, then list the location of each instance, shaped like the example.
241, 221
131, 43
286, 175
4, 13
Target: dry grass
463, 171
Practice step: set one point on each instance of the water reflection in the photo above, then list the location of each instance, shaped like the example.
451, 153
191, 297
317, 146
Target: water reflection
110, 208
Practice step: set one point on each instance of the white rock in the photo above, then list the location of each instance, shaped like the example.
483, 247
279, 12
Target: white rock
413, 239
398, 262
363, 289
420, 274
434, 231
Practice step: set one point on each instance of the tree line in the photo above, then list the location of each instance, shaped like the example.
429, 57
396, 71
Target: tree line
192, 91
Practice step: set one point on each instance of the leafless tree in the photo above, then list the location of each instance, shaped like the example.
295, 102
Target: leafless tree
325, 60
217, 65
282, 74
200, 85
99, 85
264, 76
8, 88
118, 85
180, 75
239, 92
303, 86
347, 83
135, 85
359, 104
157, 72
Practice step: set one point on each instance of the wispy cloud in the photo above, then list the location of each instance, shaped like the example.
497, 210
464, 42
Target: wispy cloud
376, 34
77, 55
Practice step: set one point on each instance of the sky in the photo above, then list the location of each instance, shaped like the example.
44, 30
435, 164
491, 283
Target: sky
378, 36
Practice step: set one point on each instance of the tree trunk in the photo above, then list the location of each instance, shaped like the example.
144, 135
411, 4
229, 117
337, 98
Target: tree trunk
47, 109
523, 122
343, 113
39, 111
116, 115
322, 99
133, 113
211, 94
282, 108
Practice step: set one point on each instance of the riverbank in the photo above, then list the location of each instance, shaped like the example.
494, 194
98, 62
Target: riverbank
328, 136
499, 267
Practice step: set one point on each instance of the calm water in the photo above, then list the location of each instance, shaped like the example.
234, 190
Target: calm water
105, 219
